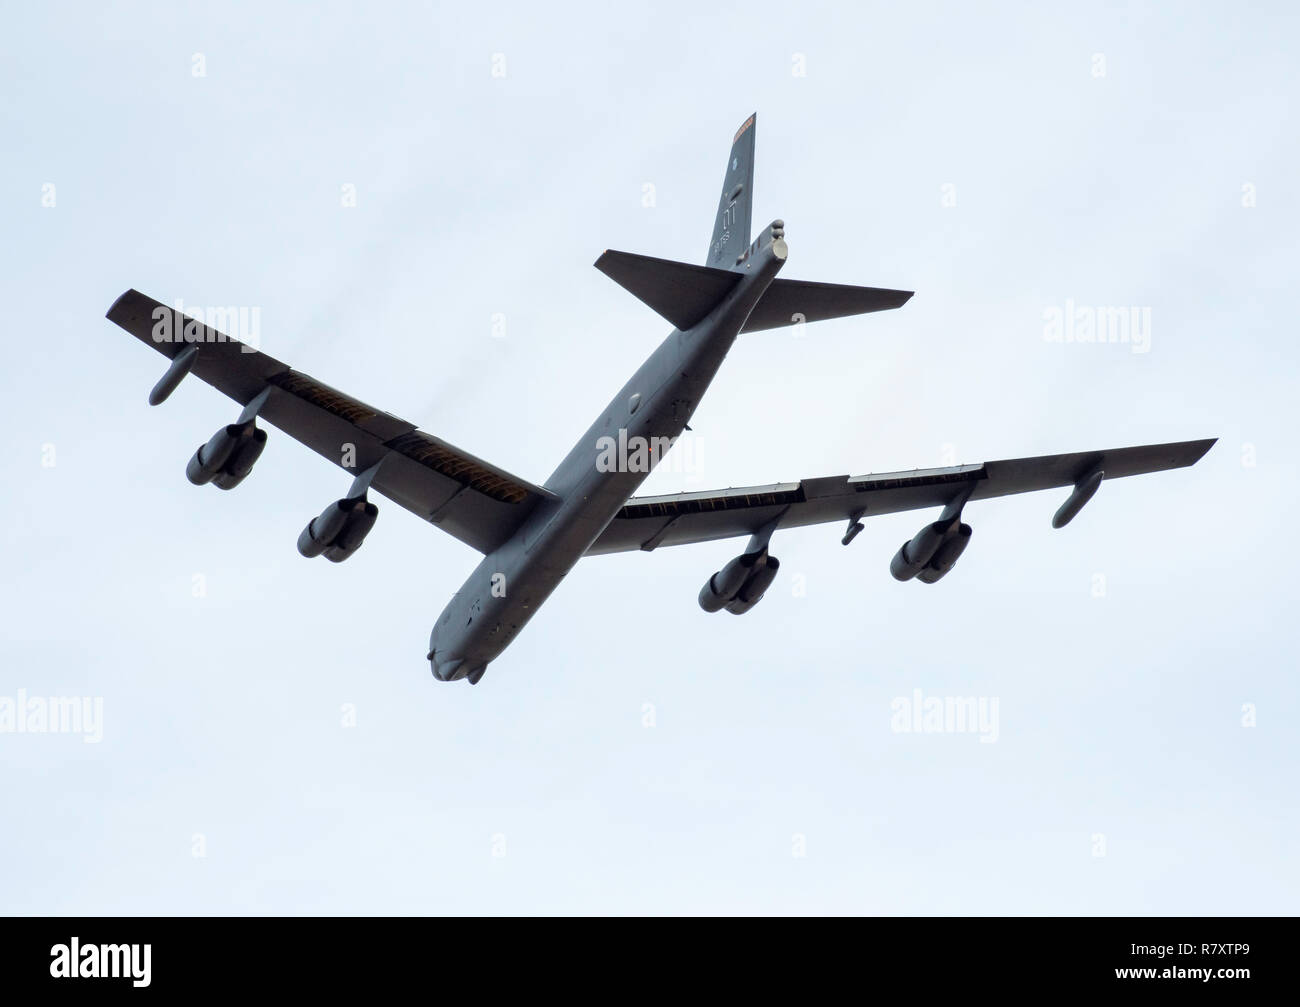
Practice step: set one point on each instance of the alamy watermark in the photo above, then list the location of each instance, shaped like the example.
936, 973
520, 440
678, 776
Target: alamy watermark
641, 454
922, 714
1081, 323
201, 325
24, 714
76, 960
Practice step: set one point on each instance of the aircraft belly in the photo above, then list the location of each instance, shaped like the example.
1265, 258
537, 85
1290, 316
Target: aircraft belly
593, 484
511, 585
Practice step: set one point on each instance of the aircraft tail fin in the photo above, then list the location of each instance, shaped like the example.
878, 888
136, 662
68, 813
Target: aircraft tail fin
681, 292
684, 293
731, 227
790, 302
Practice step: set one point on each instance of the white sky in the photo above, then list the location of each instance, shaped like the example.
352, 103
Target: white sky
1119, 716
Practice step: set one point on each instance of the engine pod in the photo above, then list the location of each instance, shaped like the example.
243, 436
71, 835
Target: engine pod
241, 461
321, 531
211, 458
354, 532
946, 556
727, 582
752, 593
912, 556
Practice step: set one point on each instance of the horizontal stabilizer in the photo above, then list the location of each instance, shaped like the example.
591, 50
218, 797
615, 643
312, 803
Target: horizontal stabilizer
788, 302
681, 292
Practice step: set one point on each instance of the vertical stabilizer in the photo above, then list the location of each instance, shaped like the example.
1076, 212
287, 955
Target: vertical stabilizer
731, 229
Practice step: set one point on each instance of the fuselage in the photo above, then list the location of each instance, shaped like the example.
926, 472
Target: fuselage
652, 409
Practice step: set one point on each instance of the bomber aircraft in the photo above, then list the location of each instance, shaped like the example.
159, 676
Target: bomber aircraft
531, 536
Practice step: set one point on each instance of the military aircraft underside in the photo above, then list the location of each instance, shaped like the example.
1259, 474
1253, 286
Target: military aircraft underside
532, 535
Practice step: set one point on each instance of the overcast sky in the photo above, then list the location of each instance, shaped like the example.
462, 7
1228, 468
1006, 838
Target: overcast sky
271, 739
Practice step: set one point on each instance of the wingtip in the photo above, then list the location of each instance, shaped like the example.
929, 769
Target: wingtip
117, 303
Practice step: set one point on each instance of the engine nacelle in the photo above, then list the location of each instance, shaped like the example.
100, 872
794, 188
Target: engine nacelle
353, 534
228, 456
740, 584
339, 530
752, 593
241, 461
210, 457
946, 555
914, 555
727, 582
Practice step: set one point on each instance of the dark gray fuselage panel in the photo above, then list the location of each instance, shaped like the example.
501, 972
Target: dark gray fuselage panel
512, 582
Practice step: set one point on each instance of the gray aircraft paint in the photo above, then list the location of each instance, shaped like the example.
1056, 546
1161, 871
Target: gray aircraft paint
477, 626
532, 536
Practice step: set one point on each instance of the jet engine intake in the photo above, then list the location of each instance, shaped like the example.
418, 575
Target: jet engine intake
740, 584
727, 582
339, 530
912, 556
946, 556
228, 456
752, 593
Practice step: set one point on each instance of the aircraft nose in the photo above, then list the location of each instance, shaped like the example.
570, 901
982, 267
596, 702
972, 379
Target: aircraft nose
445, 669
